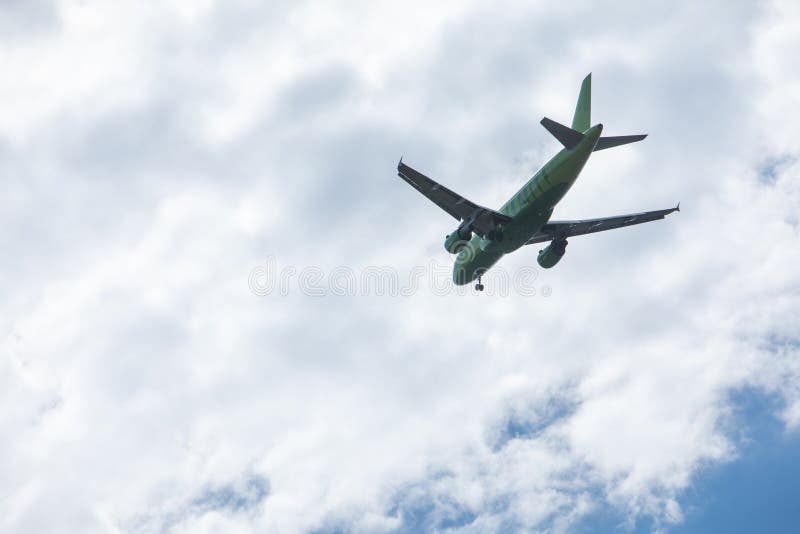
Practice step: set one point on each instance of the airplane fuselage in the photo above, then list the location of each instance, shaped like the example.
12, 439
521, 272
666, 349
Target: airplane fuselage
485, 235
530, 208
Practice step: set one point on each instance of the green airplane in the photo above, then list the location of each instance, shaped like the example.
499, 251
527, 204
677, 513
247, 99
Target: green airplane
484, 235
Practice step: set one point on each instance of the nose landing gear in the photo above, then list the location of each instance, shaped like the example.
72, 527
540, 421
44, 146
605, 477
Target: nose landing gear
479, 286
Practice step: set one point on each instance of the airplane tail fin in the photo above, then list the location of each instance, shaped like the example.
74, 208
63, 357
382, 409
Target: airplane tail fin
583, 110
581, 121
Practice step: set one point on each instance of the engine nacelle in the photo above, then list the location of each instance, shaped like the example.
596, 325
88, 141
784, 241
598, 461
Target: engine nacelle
454, 242
552, 253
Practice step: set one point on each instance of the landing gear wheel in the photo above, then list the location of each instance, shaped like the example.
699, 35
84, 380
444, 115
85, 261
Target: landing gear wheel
479, 286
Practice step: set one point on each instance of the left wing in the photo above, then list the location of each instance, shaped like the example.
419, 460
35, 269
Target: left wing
479, 219
562, 229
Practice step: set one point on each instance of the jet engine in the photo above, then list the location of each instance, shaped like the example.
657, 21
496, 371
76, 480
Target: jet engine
454, 242
552, 253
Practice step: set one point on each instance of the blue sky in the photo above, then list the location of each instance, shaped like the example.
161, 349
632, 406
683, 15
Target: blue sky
759, 490
755, 492
158, 161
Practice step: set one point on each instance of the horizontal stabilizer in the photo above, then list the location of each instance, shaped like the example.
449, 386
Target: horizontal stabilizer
565, 135
608, 142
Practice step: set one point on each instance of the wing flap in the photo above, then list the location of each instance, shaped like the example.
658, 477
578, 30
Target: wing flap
482, 220
454, 204
563, 229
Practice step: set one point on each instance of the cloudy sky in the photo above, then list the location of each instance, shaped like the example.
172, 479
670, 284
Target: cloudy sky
155, 155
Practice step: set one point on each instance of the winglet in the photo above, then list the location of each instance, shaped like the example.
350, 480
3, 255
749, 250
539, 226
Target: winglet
400, 162
678, 207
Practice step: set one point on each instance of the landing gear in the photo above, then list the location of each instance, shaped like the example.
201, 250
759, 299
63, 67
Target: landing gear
479, 286
495, 235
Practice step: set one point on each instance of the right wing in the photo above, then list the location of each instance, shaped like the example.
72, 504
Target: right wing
481, 220
563, 229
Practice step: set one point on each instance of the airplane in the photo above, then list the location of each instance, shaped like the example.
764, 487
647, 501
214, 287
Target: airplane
484, 235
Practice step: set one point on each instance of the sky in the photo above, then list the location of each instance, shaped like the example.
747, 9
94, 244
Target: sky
199, 200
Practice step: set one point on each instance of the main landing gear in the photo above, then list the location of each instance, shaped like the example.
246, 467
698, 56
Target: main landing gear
479, 286
495, 235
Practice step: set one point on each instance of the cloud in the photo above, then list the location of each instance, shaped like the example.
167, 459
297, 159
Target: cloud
152, 157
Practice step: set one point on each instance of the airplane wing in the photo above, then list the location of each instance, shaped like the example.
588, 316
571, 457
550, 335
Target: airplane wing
563, 229
482, 220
